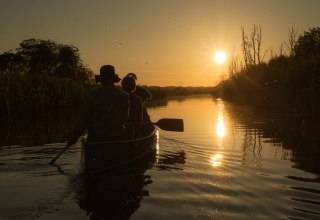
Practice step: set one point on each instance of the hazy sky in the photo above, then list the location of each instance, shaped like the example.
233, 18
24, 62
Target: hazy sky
166, 42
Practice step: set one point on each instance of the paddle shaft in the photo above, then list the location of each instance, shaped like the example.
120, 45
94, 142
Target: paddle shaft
59, 154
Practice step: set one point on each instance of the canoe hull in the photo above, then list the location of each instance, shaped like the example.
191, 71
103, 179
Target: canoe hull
102, 156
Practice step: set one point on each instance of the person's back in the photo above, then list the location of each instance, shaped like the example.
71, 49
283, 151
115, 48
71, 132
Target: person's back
136, 106
136, 111
108, 110
105, 112
144, 95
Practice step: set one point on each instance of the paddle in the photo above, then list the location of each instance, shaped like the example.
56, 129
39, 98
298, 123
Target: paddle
60, 153
170, 124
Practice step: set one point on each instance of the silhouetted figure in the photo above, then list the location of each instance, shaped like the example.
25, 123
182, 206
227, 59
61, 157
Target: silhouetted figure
128, 84
105, 112
140, 91
144, 94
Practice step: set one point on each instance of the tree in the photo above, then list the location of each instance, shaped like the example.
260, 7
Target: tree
11, 62
35, 56
308, 44
292, 39
251, 47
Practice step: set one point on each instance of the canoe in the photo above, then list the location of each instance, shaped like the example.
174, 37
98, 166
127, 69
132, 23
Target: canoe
150, 134
115, 193
102, 156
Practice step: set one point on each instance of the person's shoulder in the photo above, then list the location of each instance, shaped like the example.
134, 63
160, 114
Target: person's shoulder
143, 93
120, 92
105, 94
136, 98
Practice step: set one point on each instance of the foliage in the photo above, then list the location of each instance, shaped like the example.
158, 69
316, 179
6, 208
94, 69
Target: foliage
45, 57
251, 46
284, 84
308, 45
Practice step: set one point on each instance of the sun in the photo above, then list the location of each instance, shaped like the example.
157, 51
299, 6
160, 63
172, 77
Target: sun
220, 57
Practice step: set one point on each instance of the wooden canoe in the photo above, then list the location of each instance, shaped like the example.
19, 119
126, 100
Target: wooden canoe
102, 156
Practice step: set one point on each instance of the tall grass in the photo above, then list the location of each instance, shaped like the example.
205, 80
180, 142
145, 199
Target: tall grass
25, 96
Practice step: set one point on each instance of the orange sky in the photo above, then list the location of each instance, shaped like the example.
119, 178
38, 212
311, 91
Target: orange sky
166, 42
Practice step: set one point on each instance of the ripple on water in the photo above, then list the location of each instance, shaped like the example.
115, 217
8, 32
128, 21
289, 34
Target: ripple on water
240, 186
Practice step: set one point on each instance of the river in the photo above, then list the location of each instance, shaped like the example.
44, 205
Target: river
229, 163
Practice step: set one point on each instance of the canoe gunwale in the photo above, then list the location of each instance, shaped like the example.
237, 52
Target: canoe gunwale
122, 141
143, 141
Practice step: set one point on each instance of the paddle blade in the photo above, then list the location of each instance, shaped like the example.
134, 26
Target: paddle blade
170, 124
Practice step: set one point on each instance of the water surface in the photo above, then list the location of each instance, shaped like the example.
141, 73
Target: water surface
230, 163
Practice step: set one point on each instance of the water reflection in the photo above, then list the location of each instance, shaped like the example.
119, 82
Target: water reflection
216, 159
283, 132
260, 164
221, 130
252, 147
116, 194
171, 160
157, 104
36, 131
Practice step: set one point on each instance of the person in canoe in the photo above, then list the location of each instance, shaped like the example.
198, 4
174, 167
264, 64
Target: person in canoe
145, 96
105, 112
128, 84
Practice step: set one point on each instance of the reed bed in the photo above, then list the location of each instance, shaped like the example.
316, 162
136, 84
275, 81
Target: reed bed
25, 96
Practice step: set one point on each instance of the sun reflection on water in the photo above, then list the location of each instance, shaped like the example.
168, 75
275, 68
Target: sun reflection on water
216, 160
157, 147
221, 130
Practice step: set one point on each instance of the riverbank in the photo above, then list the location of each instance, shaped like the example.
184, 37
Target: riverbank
285, 85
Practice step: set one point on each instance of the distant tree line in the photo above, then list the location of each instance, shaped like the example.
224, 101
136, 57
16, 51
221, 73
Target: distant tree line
287, 83
174, 91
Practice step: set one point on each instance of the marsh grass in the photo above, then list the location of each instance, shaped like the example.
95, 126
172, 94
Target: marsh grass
33, 96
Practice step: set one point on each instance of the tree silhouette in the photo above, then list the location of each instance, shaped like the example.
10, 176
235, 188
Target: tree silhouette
36, 56
308, 45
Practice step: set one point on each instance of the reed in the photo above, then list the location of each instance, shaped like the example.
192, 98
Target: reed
37, 95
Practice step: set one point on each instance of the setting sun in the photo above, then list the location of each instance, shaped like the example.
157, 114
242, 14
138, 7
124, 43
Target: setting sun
220, 57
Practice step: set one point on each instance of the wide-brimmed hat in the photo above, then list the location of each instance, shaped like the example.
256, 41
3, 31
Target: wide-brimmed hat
107, 74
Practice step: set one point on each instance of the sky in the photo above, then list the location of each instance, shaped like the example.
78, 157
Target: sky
165, 42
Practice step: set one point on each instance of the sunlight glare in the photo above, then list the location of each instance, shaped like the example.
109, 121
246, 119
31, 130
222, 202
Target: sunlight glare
221, 130
216, 160
157, 147
220, 57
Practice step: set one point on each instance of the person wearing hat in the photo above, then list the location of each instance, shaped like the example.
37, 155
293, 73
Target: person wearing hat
105, 112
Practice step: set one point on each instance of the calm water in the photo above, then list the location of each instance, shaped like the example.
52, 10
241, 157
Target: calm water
228, 164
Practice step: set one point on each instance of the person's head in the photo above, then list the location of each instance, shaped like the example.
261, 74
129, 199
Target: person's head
128, 84
107, 75
132, 75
